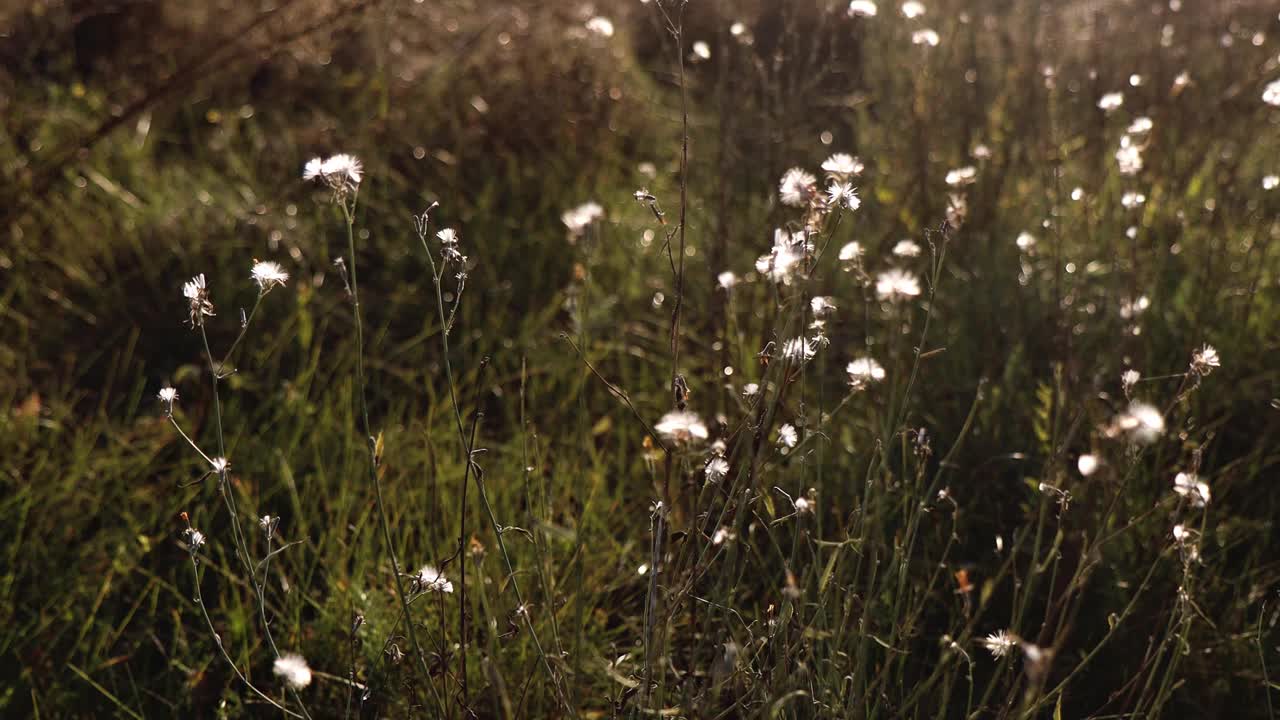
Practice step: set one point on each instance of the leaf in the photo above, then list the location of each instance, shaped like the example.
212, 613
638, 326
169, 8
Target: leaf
602, 426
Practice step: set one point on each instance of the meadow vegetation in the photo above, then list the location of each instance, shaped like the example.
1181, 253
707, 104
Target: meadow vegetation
375, 358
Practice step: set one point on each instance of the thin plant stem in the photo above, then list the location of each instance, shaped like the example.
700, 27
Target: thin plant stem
349, 215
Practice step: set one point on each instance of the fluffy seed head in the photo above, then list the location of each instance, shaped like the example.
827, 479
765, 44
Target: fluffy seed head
268, 274
429, 579
864, 371
796, 187
897, 285
682, 426
1000, 643
293, 669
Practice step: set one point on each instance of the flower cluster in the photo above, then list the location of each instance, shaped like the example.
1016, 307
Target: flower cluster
342, 172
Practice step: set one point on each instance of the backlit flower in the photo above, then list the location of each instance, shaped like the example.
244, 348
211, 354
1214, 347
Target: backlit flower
293, 669
1271, 95
1189, 486
906, 248
1087, 464
682, 426
851, 251
796, 187
167, 396
577, 219
842, 165
1110, 101
897, 285
1141, 422
862, 8
864, 371
601, 26
787, 436
716, 470
841, 193
1204, 360
1000, 643
799, 349
429, 579
268, 274
925, 37
962, 176
341, 172
197, 295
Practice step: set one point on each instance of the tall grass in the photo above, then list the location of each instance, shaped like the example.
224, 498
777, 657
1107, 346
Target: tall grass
640, 486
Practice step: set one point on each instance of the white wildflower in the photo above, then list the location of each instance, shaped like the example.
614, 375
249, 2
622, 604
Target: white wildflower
912, 9
1000, 643
1111, 101
168, 395
312, 169
906, 248
803, 506
925, 37
799, 349
1141, 422
897, 285
822, 306
787, 436
341, 172
1087, 464
722, 535
962, 176
841, 193
796, 187
1129, 378
268, 274
1140, 125
864, 371
1271, 182
448, 236
197, 295
727, 280
577, 219
195, 539
293, 669
1025, 241
850, 251
429, 579
787, 256
601, 26
682, 426
1271, 95
842, 165
220, 465
1129, 157
750, 389
1189, 486
717, 469
701, 50
1204, 360
862, 8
